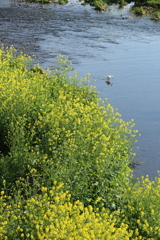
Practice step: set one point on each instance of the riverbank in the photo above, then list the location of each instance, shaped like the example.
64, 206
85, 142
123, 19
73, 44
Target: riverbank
101, 44
65, 158
150, 8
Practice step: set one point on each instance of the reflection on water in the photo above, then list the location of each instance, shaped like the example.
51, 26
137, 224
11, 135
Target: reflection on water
109, 83
110, 43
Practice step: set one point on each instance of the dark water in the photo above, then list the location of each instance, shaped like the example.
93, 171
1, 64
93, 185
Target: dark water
101, 44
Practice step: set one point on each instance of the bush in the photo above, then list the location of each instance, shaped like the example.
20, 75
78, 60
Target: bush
152, 3
64, 163
100, 5
140, 207
138, 11
62, 1
155, 16
122, 3
58, 125
51, 215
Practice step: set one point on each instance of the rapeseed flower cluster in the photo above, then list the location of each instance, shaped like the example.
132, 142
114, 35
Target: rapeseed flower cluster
51, 215
140, 207
55, 129
57, 124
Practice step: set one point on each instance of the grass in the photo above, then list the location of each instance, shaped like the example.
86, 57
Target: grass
139, 11
153, 13
152, 3
64, 162
155, 16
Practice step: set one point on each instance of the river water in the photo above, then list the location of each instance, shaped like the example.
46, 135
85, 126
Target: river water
114, 42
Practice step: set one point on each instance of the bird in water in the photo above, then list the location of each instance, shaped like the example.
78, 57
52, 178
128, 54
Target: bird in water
109, 77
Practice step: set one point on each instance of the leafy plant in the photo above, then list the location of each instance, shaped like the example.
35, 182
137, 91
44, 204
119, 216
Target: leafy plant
100, 5
64, 162
140, 207
122, 3
51, 215
58, 125
62, 1
152, 3
155, 16
138, 11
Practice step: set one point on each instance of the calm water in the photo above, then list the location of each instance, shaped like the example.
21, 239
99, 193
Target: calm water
101, 44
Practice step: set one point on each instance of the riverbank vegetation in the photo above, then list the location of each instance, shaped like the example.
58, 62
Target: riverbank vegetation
49, 1
140, 7
141, 10
64, 160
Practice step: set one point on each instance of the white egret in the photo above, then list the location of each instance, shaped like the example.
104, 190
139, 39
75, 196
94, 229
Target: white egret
109, 77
